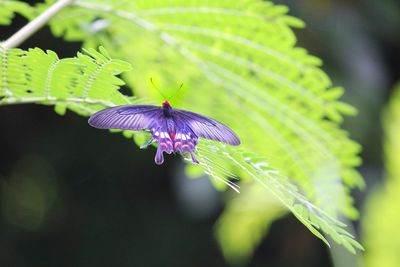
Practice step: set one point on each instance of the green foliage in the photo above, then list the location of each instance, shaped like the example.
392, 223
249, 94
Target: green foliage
215, 158
242, 54
381, 230
37, 77
239, 64
8, 8
84, 84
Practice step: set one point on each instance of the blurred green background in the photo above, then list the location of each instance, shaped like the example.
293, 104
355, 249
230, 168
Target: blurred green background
63, 206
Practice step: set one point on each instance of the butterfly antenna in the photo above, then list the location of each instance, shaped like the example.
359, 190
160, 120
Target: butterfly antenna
177, 91
158, 90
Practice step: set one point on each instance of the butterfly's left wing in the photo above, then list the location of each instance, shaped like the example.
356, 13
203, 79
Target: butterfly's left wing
129, 117
205, 127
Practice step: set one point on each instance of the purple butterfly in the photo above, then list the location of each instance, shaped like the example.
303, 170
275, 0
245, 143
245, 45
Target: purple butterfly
174, 130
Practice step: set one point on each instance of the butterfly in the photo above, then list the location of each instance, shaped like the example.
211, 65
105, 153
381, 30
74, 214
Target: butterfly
175, 130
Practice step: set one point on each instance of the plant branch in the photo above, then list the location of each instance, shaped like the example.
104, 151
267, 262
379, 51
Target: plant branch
53, 100
33, 26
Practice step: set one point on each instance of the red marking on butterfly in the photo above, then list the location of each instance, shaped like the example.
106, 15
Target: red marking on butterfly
172, 134
175, 130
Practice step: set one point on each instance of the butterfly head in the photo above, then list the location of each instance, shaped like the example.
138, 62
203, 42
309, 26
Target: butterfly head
166, 104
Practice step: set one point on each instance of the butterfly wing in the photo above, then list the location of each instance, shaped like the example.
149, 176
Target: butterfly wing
205, 127
129, 117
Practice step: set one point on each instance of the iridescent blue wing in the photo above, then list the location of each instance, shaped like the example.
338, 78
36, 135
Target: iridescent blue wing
205, 127
129, 117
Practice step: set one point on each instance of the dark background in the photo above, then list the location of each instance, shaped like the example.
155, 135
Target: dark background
112, 206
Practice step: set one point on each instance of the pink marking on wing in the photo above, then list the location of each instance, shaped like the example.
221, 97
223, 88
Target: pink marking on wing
177, 145
185, 147
163, 145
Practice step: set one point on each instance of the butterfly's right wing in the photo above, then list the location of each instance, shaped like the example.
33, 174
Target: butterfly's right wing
129, 117
206, 127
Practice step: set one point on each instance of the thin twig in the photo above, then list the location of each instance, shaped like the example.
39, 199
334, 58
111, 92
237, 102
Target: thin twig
33, 26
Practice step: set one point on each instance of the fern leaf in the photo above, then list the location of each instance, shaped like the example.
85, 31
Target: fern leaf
246, 50
214, 158
84, 84
242, 67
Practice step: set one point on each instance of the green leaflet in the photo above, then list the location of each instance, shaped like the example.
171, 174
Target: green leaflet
239, 64
8, 8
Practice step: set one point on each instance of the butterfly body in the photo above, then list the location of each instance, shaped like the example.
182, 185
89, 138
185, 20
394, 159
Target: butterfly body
167, 109
175, 130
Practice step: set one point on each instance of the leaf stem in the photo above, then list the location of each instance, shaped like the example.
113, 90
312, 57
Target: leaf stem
33, 26
53, 100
